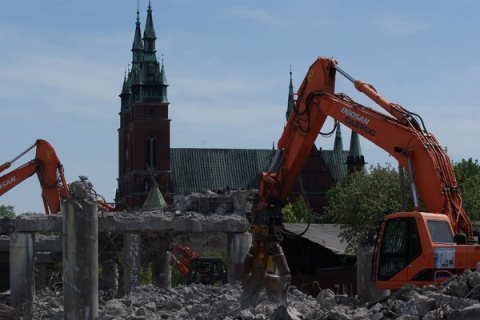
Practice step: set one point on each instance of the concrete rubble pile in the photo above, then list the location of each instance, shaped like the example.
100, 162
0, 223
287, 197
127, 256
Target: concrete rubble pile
455, 299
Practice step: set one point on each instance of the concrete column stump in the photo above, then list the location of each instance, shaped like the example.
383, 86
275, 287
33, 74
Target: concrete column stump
80, 254
161, 265
22, 271
238, 245
366, 289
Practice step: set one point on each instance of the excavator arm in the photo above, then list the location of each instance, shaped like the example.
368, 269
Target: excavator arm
182, 258
50, 174
398, 131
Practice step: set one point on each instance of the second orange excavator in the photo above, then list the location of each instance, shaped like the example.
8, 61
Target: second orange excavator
198, 269
50, 174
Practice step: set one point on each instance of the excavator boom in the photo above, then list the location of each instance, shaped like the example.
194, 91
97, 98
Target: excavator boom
50, 174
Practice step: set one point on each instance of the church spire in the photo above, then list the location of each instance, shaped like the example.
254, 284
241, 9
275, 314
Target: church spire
137, 47
355, 159
149, 37
338, 144
290, 97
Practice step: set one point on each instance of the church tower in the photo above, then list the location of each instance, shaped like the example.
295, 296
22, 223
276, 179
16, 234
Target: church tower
144, 133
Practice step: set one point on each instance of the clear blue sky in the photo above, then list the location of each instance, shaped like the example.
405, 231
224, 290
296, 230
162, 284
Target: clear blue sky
62, 65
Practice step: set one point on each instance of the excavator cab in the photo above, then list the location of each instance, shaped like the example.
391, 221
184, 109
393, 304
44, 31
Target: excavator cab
400, 245
207, 270
420, 248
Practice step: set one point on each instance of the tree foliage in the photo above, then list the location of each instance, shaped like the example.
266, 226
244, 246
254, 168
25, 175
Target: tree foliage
298, 212
467, 173
7, 212
358, 202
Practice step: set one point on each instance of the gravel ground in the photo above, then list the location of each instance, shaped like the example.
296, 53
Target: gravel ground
456, 299
195, 302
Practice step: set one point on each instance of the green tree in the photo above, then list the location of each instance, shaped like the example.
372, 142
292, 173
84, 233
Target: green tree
7, 212
358, 202
467, 173
298, 212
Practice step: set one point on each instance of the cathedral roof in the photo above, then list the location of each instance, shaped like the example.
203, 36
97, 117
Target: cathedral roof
194, 170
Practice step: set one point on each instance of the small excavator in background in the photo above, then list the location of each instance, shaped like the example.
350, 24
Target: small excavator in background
197, 269
416, 247
50, 174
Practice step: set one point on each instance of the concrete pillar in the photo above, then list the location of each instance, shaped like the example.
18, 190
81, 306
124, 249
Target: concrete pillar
5, 271
238, 245
160, 272
168, 271
132, 244
80, 254
110, 276
366, 289
22, 271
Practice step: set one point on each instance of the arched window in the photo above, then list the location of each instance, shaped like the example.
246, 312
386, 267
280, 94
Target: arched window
151, 152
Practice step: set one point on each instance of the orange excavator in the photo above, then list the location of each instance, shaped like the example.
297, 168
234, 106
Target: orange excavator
197, 269
414, 247
50, 174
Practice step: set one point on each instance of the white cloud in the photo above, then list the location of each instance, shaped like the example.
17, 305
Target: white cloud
397, 24
263, 17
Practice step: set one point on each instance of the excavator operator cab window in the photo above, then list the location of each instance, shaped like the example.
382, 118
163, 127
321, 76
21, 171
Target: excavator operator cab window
400, 246
440, 231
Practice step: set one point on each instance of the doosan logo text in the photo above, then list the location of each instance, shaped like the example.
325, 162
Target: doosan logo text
355, 115
7, 182
357, 121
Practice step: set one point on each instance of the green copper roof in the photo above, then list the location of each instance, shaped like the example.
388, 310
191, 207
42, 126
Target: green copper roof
338, 144
195, 170
336, 161
154, 199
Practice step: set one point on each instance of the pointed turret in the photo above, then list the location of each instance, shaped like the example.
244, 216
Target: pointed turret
154, 199
125, 94
291, 97
164, 84
338, 144
355, 159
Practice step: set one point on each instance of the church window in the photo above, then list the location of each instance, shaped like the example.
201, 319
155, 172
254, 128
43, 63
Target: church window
151, 151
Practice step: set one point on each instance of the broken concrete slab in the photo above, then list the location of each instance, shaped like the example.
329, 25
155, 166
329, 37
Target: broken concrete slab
141, 221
